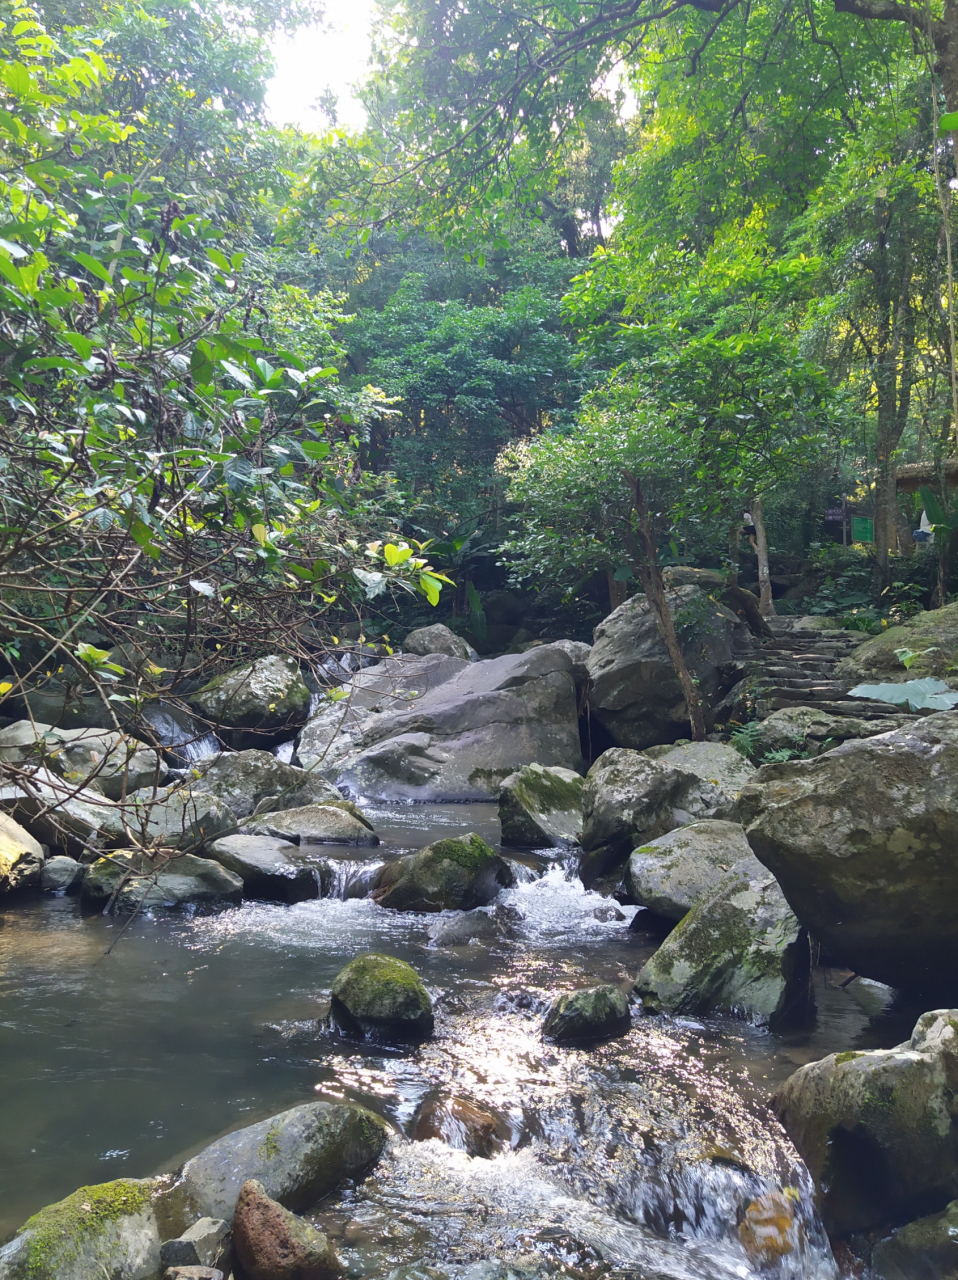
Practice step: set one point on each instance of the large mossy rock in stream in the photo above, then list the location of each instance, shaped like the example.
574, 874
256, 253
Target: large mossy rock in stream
740, 950
273, 1244
21, 857
381, 998
862, 840
248, 782
878, 1130
932, 636
255, 705
629, 799
455, 874
635, 694
175, 882
926, 1249
460, 739
587, 1015
541, 807
269, 868
338, 822
674, 872
105, 1230
298, 1156
438, 639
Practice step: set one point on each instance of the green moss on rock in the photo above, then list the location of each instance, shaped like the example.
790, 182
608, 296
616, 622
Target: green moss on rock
57, 1233
380, 995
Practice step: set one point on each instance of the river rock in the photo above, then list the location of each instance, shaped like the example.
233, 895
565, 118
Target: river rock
269, 868
578, 652
257, 704
739, 949
460, 1124
339, 823
21, 857
255, 781
591, 1013
455, 874
60, 815
438, 639
541, 807
670, 874
62, 875
635, 694
178, 881
878, 1130
200, 1245
862, 841
810, 731
274, 1244
715, 764
107, 1229
177, 817
101, 760
629, 799
923, 1250
466, 927
458, 741
298, 1156
381, 998
336, 729
875, 659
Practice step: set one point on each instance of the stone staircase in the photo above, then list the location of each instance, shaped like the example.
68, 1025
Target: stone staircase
796, 669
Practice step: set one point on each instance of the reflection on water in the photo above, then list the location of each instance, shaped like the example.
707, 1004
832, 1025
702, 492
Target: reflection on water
642, 1154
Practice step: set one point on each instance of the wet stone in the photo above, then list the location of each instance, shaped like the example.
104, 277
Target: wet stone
380, 997
591, 1013
199, 1246
274, 1244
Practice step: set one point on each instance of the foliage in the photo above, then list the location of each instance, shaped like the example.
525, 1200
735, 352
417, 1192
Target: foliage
928, 694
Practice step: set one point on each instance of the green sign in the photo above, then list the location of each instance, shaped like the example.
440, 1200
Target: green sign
863, 529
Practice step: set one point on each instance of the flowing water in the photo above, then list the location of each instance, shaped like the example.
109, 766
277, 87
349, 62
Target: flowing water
639, 1156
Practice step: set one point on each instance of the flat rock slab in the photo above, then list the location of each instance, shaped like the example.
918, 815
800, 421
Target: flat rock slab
270, 869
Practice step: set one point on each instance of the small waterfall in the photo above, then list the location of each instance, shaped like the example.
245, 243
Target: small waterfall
344, 878
184, 739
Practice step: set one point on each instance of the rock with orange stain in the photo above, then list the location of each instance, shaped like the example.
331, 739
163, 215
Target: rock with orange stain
769, 1229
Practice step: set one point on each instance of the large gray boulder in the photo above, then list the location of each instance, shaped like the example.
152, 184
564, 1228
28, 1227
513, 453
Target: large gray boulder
158, 882
438, 639
62, 875
269, 868
931, 636
456, 874
176, 817
810, 731
878, 1130
59, 814
541, 807
257, 704
739, 950
458, 741
862, 840
716, 764
337, 823
101, 760
299, 1156
381, 998
21, 857
674, 872
396, 683
255, 781
629, 799
107, 1229
635, 694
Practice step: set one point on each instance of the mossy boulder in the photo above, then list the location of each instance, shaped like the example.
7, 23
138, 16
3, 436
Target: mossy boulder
21, 857
248, 782
336, 822
878, 1130
257, 704
862, 840
158, 882
540, 806
589, 1014
740, 950
671, 874
106, 1229
926, 1249
810, 731
875, 660
715, 764
381, 998
455, 874
298, 1156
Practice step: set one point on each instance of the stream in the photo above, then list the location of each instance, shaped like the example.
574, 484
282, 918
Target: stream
638, 1156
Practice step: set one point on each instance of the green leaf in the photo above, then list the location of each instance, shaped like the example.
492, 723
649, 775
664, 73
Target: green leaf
314, 449
259, 532
431, 587
948, 123
396, 555
95, 268
238, 374
81, 345
918, 695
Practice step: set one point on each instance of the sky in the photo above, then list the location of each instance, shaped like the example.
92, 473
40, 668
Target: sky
315, 59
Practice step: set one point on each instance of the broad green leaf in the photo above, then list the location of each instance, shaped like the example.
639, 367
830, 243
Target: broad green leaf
948, 123
95, 268
396, 555
259, 532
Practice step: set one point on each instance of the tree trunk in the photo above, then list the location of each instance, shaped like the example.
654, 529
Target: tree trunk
733, 538
618, 591
765, 602
649, 573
